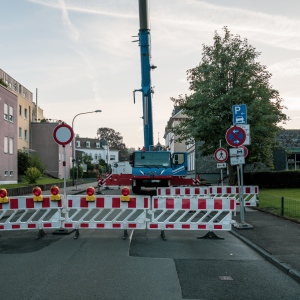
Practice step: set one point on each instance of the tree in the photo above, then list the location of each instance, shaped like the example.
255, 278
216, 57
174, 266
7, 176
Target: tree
114, 140
230, 74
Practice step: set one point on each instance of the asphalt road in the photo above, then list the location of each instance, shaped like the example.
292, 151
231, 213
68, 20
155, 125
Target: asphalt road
101, 265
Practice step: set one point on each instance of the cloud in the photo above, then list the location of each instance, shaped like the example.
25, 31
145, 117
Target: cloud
72, 31
286, 68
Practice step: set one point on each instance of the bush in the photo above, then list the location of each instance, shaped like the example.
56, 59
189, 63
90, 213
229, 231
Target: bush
32, 174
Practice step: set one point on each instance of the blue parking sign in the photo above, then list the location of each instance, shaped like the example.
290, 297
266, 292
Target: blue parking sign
239, 113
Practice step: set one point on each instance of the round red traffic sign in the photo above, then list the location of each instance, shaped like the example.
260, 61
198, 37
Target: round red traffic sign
235, 136
221, 155
63, 134
245, 150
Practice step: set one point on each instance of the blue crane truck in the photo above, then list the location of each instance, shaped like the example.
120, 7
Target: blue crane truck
153, 165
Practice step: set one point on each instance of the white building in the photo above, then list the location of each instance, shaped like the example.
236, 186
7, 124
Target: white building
97, 149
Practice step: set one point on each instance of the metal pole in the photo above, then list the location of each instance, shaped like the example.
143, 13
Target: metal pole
73, 143
242, 206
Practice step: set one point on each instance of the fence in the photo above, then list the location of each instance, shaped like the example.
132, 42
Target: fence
281, 206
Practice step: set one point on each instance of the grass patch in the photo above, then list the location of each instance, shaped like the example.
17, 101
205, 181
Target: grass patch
271, 200
44, 180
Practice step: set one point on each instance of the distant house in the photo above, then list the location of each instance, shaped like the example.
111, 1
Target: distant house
97, 149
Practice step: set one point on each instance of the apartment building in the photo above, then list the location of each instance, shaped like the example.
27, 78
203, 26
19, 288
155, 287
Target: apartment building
27, 111
8, 137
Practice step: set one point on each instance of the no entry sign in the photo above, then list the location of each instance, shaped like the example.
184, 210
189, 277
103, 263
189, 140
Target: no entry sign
235, 136
63, 134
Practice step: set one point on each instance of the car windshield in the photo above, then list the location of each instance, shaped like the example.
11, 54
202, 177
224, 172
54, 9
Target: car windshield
152, 159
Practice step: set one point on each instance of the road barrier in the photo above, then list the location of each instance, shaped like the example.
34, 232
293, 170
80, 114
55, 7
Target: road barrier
194, 213
106, 212
110, 212
25, 213
250, 193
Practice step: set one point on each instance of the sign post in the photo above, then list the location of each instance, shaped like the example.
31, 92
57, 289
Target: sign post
236, 137
221, 155
63, 135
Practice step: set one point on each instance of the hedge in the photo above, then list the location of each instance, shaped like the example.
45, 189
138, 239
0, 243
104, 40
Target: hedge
279, 179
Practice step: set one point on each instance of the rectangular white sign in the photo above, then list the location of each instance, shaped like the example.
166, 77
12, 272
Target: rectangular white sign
221, 165
237, 160
246, 128
236, 152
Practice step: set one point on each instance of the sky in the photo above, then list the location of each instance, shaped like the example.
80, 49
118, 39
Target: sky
80, 57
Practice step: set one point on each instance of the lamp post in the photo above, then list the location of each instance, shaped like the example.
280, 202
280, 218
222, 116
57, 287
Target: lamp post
73, 142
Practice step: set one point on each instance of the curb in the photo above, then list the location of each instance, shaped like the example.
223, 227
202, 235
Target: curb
293, 273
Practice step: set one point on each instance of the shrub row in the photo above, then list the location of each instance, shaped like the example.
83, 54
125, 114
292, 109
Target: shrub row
280, 179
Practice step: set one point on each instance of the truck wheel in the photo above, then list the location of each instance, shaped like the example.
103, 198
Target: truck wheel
136, 189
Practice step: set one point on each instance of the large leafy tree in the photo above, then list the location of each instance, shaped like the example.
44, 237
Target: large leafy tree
114, 140
230, 74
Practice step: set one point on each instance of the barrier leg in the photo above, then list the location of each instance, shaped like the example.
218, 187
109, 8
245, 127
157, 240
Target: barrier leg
162, 234
210, 235
125, 234
76, 234
40, 234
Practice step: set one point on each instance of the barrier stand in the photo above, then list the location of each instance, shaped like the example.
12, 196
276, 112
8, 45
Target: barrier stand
210, 235
38, 197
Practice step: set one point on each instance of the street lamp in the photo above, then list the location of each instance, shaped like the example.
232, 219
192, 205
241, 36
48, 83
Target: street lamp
73, 142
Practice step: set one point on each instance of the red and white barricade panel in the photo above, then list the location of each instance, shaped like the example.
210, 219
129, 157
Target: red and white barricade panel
106, 212
182, 191
192, 213
250, 192
24, 213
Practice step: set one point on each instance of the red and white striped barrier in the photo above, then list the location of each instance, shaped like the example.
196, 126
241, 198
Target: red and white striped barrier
106, 212
24, 213
194, 213
182, 191
250, 192
102, 182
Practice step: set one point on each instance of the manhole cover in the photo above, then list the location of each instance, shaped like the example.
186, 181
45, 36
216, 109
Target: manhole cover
225, 277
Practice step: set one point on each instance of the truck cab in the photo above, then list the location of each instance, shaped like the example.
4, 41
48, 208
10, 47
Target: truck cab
156, 168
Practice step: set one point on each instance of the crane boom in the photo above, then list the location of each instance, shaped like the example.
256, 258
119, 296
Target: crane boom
144, 41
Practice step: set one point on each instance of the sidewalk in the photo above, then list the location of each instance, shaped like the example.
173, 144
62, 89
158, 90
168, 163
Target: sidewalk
275, 238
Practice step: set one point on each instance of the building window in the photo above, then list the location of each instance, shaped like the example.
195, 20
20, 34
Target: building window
5, 111
5, 173
96, 156
11, 173
20, 132
25, 113
20, 110
88, 144
97, 145
5, 144
11, 145
112, 157
77, 143
11, 114
25, 135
